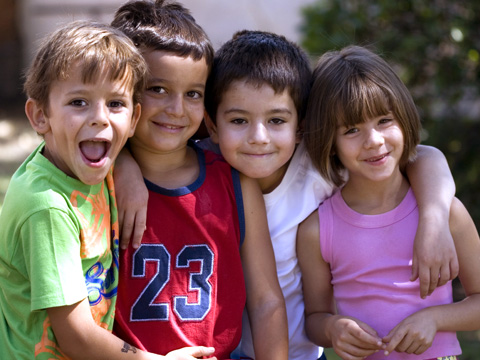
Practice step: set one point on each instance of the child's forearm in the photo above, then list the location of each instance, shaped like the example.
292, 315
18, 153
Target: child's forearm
434, 257
80, 337
132, 199
270, 330
317, 326
460, 316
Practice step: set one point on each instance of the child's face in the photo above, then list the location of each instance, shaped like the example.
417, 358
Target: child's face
173, 102
371, 150
257, 131
87, 124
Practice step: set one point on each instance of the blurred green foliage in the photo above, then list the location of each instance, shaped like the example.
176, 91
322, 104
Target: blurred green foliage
434, 46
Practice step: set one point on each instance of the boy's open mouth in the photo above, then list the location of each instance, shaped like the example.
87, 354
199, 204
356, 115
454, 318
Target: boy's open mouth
94, 151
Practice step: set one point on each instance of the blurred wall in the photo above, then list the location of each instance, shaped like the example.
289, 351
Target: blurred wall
24, 22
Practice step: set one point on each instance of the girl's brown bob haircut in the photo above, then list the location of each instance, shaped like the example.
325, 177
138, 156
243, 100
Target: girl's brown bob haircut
351, 86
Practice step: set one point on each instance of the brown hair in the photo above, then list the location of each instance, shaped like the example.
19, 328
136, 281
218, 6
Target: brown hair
98, 47
164, 25
259, 58
349, 87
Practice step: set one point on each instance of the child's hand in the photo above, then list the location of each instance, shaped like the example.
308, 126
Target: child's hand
352, 339
191, 353
413, 335
434, 257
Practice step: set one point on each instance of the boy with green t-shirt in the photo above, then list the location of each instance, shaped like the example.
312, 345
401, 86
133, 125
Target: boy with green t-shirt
59, 238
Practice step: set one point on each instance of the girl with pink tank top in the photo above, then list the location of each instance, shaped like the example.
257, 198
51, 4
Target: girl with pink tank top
355, 251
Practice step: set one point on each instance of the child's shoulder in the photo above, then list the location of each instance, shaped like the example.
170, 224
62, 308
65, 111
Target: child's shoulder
301, 179
209, 153
38, 185
207, 144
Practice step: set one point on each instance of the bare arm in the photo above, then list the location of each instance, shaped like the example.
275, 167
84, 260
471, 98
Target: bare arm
81, 338
434, 259
265, 303
350, 338
415, 334
132, 199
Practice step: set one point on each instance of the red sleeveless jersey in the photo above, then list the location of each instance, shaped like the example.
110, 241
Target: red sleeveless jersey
184, 285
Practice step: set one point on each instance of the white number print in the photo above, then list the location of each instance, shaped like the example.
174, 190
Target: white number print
144, 308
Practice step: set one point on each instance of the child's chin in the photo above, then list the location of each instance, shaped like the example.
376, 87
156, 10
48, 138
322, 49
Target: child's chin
96, 176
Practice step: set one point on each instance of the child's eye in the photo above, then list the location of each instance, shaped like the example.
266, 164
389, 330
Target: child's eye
385, 120
277, 121
78, 102
350, 131
238, 121
157, 89
194, 94
116, 104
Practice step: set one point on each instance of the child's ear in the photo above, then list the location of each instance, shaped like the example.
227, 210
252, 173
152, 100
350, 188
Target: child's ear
137, 111
212, 128
36, 115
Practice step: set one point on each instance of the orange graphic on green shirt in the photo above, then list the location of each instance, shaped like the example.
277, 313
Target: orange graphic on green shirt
48, 348
99, 311
95, 226
111, 192
113, 206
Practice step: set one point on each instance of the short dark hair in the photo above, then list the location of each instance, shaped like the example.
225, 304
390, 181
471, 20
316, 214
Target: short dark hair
164, 25
259, 58
349, 87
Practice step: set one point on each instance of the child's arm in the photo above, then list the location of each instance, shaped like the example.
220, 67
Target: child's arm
265, 303
434, 257
132, 199
349, 337
415, 334
81, 338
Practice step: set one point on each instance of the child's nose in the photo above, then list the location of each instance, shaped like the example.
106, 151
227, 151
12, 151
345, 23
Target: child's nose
259, 134
374, 138
175, 106
99, 116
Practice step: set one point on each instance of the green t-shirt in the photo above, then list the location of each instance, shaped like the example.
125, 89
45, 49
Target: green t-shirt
58, 245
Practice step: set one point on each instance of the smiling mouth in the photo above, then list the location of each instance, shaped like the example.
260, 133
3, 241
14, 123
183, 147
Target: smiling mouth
258, 155
168, 126
93, 150
378, 158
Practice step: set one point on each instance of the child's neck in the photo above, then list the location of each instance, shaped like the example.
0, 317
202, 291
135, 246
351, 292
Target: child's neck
168, 170
372, 197
268, 184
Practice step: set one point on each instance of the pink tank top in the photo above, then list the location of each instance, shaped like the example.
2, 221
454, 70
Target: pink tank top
370, 257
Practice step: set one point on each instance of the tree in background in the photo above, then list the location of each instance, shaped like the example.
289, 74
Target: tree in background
434, 46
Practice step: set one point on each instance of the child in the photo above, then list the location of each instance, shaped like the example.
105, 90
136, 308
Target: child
257, 109
254, 115
184, 284
59, 238
356, 249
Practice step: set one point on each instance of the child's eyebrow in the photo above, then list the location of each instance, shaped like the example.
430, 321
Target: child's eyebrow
280, 110
271, 111
162, 80
235, 110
